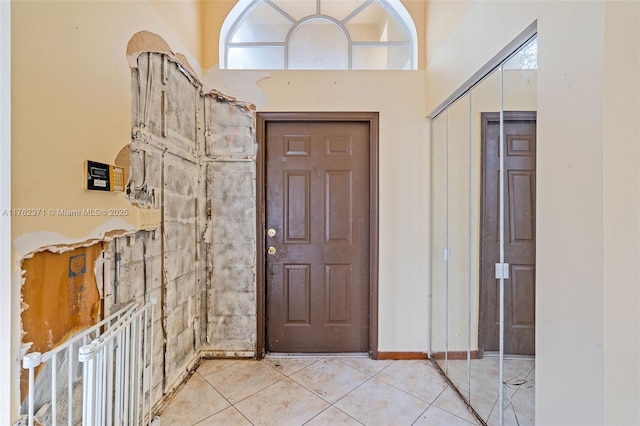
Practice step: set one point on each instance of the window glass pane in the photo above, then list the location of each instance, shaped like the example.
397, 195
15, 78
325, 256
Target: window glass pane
251, 58
526, 58
297, 9
381, 58
339, 9
374, 23
318, 44
262, 24
257, 39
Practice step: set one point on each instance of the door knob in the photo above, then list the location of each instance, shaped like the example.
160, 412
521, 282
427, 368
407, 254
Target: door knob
271, 232
271, 250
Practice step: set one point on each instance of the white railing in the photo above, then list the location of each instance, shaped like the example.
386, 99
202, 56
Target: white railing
117, 371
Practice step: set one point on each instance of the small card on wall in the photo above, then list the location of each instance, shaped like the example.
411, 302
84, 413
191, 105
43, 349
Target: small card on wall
104, 177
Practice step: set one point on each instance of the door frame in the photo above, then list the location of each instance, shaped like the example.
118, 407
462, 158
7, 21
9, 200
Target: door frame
485, 118
263, 118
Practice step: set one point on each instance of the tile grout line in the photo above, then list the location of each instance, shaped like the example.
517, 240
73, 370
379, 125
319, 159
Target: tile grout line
358, 368
331, 405
284, 377
231, 405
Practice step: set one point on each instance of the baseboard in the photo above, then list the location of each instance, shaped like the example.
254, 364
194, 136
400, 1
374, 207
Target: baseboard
454, 355
402, 355
211, 354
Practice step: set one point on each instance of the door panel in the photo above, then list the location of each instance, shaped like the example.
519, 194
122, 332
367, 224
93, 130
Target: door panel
519, 163
317, 201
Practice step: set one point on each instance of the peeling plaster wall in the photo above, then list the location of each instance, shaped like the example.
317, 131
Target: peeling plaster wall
61, 295
192, 157
134, 272
231, 191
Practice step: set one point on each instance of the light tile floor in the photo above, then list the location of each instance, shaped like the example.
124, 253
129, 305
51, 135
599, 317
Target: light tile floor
315, 391
519, 390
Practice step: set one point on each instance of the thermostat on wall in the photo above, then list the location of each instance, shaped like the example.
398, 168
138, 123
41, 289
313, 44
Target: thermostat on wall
104, 177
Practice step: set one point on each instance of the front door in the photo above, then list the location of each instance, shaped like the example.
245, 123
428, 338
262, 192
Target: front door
519, 235
317, 202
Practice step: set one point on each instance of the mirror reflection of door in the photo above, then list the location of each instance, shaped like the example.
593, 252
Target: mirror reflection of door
317, 262
519, 234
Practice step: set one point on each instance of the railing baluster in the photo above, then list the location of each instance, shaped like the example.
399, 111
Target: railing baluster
114, 370
153, 302
70, 366
54, 388
30, 362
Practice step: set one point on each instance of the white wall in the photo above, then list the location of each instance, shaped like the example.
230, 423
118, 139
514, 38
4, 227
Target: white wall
587, 232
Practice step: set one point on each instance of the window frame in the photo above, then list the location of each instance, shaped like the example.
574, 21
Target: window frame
245, 7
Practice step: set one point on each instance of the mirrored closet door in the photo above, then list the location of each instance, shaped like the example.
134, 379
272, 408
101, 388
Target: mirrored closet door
483, 239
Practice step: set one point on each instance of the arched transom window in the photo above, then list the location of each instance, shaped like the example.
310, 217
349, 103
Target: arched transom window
319, 35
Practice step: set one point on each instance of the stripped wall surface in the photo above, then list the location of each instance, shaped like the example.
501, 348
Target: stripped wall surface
231, 191
192, 157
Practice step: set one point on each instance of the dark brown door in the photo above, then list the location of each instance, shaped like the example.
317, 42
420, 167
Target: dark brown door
317, 237
519, 234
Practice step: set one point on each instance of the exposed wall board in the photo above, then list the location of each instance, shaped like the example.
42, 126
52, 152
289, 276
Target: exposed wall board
192, 157
60, 295
232, 322
230, 134
165, 174
174, 126
231, 192
181, 266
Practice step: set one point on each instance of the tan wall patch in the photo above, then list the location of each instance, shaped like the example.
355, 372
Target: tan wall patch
60, 295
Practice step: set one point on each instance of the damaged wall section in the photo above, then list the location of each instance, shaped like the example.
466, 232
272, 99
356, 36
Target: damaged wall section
61, 295
192, 157
231, 191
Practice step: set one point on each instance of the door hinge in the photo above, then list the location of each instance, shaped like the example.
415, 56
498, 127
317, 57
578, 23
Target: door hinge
502, 271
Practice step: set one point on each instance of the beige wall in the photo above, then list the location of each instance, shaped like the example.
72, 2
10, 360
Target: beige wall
404, 207
587, 274
71, 103
621, 293
8, 306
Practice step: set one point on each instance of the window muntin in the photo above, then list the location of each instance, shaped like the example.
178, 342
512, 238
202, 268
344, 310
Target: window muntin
319, 34
262, 24
330, 49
